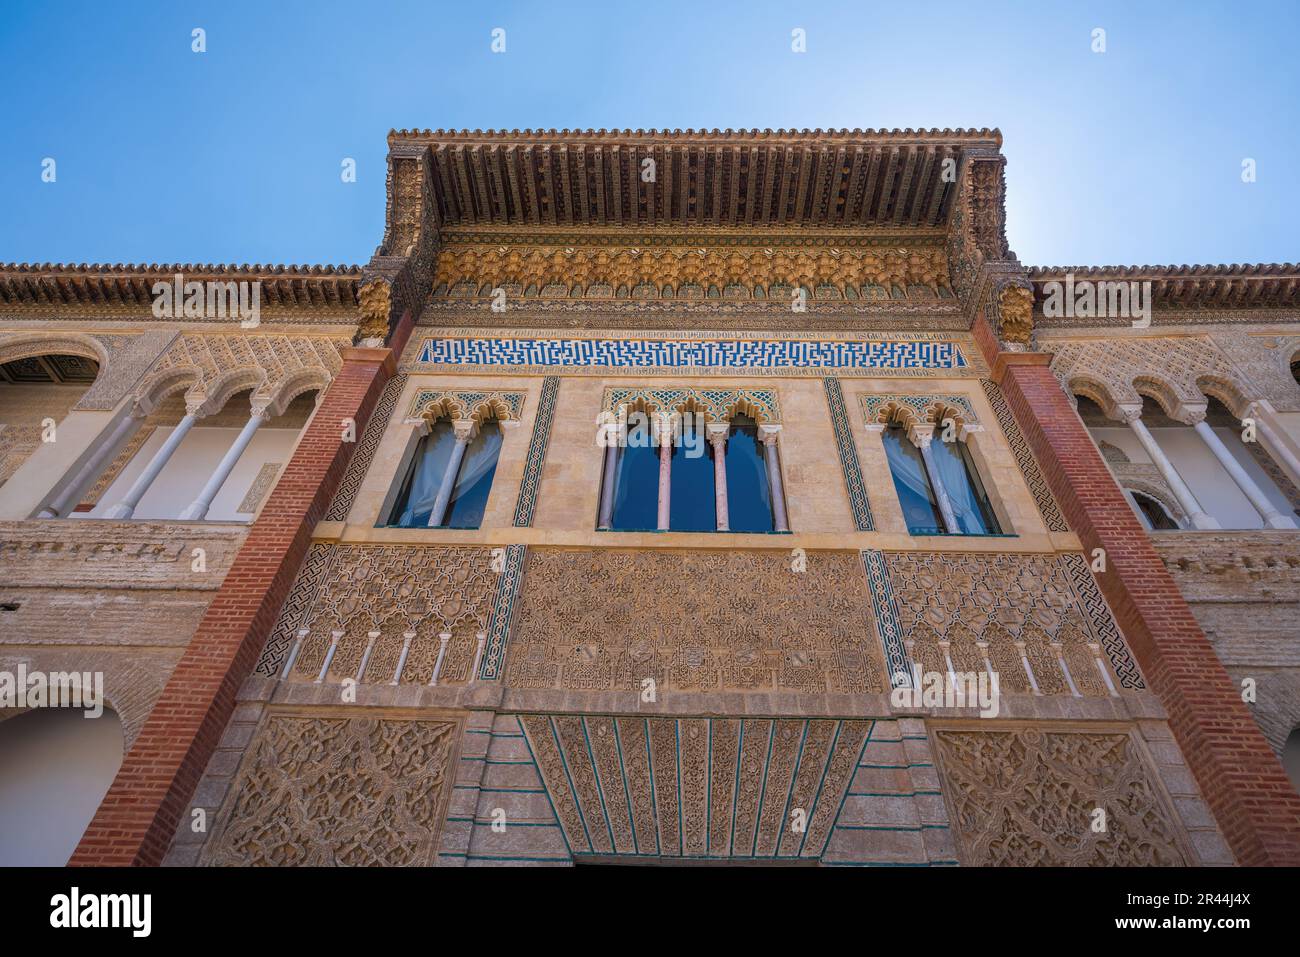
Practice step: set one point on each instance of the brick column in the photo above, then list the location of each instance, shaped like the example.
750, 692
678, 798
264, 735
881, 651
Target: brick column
137, 818
1250, 795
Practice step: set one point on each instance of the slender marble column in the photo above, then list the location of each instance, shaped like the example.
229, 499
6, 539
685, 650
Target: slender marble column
293, 653
922, 439
767, 435
464, 429
611, 435
1095, 648
665, 474
1273, 443
126, 507
1271, 516
329, 656
371, 638
198, 509
718, 439
443, 640
479, 646
66, 501
1198, 515
401, 661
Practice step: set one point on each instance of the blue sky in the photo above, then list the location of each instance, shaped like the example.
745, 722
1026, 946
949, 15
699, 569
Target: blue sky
165, 155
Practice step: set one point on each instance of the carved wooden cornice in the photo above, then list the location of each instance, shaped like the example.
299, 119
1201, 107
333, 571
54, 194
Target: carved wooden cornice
603, 271
737, 177
103, 285
1224, 287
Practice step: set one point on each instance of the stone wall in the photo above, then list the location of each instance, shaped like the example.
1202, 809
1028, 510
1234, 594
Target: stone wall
118, 597
1244, 589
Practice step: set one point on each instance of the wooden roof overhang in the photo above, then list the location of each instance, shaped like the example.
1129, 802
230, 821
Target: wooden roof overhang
743, 179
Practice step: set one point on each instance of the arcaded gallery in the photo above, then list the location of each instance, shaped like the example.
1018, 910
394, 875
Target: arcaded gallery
628, 505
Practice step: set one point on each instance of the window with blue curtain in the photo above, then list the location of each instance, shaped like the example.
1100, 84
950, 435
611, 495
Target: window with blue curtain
428, 465
912, 482
636, 489
423, 476
749, 497
970, 503
692, 508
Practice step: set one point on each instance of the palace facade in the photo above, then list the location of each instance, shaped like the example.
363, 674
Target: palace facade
646, 498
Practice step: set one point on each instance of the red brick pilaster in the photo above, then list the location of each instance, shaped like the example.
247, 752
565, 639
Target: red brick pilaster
1250, 795
137, 818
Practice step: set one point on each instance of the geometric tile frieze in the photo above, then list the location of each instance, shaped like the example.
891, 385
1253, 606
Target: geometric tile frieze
693, 353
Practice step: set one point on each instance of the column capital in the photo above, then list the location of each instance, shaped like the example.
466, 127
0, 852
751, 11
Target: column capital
1127, 414
1189, 413
464, 429
921, 435
1255, 408
420, 425
767, 434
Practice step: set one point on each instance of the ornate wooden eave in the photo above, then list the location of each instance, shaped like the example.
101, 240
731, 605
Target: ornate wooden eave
840, 179
59, 284
1235, 286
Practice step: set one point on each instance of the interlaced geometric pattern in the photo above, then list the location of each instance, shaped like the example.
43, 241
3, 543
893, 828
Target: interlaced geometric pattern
737, 353
321, 791
1002, 598
740, 620
1047, 507
1029, 797
716, 404
532, 479
848, 456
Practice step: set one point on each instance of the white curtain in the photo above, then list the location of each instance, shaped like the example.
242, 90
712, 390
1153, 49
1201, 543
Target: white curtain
948, 462
909, 469
431, 456
477, 467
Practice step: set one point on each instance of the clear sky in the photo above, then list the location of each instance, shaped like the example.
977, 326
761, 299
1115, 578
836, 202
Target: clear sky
162, 154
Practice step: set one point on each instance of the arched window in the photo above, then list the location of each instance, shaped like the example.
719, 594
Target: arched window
692, 506
670, 483
1153, 514
912, 482
970, 503
636, 479
749, 496
942, 480
32, 390
448, 464
58, 765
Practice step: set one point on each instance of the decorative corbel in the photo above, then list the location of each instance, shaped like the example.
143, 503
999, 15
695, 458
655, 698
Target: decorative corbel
374, 306
1016, 315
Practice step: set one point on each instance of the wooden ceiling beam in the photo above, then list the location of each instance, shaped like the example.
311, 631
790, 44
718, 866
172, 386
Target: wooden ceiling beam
601, 218
616, 195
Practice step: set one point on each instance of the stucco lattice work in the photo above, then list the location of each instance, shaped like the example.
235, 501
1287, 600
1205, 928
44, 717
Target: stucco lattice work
1036, 599
1030, 796
317, 790
738, 620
